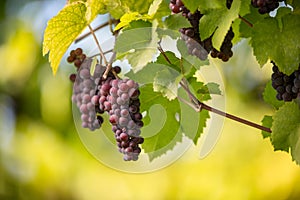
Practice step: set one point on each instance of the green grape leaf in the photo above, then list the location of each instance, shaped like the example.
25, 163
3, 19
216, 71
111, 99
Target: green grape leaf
138, 46
180, 65
175, 62
166, 81
176, 21
213, 88
286, 130
282, 45
294, 3
94, 7
162, 32
169, 134
266, 122
203, 91
146, 75
137, 24
164, 78
162, 11
218, 22
269, 96
62, 30
72, 1
203, 5
204, 116
138, 38
140, 58
127, 18
191, 128
117, 8
253, 17
154, 7
191, 5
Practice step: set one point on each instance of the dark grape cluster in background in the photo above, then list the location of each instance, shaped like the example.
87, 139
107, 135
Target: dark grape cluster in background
265, 6
191, 36
287, 86
76, 56
225, 51
95, 95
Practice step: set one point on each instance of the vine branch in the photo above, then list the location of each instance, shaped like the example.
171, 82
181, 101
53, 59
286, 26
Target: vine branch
99, 47
246, 21
198, 105
109, 65
110, 22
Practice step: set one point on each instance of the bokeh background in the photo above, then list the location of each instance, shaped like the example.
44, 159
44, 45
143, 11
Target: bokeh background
42, 157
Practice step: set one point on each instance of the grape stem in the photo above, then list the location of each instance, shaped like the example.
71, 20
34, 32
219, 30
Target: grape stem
99, 47
224, 114
198, 105
110, 22
246, 21
109, 66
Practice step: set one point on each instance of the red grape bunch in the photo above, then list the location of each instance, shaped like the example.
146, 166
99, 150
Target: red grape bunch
84, 90
125, 117
95, 95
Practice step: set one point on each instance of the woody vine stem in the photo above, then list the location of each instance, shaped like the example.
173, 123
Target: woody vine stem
197, 105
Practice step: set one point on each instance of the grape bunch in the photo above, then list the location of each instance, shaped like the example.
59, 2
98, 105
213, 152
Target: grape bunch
125, 117
265, 6
194, 48
95, 95
287, 86
176, 6
225, 51
84, 90
120, 98
191, 36
76, 56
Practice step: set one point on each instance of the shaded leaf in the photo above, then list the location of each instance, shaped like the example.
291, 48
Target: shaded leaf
266, 122
269, 96
286, 130
283, 47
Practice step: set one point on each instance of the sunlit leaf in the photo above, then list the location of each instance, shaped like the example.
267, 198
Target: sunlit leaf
218, 22
62, 30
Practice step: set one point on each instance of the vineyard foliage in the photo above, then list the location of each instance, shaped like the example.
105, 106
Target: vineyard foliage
143, 24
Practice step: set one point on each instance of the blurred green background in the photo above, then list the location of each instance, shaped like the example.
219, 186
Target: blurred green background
42, 157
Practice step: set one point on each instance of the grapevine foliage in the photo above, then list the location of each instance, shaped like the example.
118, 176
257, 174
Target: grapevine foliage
142, 25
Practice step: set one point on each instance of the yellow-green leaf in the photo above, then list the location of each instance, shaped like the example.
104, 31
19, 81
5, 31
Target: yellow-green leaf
62, 30
94, 7
154, 7
72, 1
127, 18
